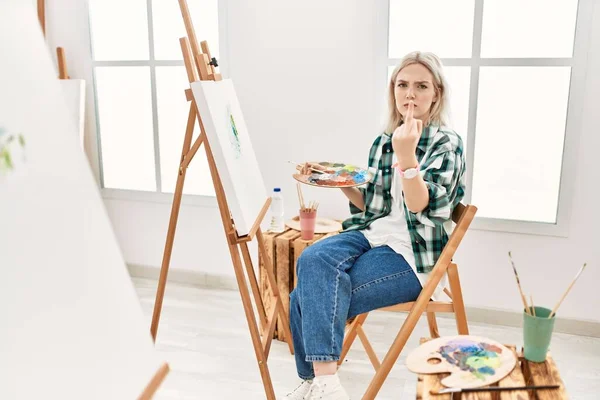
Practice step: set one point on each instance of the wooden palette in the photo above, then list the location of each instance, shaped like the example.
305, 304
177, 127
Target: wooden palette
472, 361
336, 175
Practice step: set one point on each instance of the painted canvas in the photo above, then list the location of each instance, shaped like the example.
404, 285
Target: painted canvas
471, 360
72, 324
335, 175
12, 150
232, 149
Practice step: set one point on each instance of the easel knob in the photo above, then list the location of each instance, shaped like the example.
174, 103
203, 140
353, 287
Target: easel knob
214, 62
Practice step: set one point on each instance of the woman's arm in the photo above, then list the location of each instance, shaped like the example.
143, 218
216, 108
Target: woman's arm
355, 196
404, 142
416, 195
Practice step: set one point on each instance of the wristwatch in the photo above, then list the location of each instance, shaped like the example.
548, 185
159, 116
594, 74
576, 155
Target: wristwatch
409, 173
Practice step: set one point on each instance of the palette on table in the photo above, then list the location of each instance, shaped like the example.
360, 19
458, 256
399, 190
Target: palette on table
472, 361
335, 175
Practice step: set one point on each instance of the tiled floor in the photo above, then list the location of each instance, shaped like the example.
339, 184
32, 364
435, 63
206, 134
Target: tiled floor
204, 336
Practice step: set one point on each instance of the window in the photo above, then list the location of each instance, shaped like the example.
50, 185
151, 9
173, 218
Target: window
514, 70
140, 80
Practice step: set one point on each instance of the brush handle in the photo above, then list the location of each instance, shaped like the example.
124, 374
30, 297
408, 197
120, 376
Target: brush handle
500, 388
492, 389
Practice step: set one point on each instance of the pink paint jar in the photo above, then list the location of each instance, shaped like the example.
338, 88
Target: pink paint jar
307, 224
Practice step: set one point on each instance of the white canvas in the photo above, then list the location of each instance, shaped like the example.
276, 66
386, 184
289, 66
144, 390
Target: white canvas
230, 143
71, 323
74, 92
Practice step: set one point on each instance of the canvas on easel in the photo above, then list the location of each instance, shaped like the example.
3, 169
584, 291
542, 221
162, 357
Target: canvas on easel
231, 147
72, 326
239, 189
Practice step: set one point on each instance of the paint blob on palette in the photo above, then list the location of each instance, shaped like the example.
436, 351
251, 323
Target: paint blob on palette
336, 175
472, 361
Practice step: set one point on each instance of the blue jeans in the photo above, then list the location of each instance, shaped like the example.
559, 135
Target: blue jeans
339, 278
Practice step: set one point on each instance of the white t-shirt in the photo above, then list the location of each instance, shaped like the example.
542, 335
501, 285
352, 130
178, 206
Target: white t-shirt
392, 230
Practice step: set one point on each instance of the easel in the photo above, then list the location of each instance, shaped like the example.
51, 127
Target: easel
60, 52
201, 64
153, 385
62, 63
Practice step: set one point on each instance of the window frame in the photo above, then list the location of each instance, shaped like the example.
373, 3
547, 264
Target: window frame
578, 64
158, 195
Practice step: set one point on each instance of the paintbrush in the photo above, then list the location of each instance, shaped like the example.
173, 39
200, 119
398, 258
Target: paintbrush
311, 168
491, 389
567, 292
300, 197
519, 284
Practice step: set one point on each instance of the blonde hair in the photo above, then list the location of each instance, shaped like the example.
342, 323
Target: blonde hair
439, 112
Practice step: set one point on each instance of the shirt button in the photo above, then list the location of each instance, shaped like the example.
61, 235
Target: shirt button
387, 151
387, 170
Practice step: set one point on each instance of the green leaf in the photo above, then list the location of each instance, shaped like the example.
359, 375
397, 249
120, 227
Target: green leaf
21, 140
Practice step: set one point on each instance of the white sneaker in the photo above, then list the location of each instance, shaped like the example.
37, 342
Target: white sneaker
327, 387
300, 392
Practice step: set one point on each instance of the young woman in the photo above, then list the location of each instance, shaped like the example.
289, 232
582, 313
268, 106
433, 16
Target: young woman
401, 222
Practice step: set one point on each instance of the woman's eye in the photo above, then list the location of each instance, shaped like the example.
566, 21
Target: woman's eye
422, 87
402, 85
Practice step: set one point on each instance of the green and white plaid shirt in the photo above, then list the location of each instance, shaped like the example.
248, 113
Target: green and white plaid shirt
442, 165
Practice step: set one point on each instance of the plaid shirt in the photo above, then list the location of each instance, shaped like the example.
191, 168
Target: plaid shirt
442, 165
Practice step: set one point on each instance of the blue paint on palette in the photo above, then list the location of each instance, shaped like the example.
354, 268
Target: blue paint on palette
481, 359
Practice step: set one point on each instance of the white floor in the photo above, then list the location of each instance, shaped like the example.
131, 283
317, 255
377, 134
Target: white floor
203, 335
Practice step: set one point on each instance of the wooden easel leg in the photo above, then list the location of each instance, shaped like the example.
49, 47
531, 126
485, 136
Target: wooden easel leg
254, 333
254, 285
164, 270
285, 321
154, 384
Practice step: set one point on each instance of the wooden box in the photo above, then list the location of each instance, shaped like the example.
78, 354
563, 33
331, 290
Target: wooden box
524, 373
283, 249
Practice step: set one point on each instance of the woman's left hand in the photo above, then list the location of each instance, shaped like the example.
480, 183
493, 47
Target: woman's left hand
406, 136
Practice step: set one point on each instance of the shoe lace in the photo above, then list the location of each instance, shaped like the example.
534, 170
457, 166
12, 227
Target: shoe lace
295, 394
316, 391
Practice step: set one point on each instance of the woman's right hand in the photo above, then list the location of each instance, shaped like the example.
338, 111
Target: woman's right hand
308, 168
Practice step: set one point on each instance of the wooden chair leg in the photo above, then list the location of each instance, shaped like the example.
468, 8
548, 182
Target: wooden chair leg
457, 300
393, 353
368, 348
350, 336
433, 327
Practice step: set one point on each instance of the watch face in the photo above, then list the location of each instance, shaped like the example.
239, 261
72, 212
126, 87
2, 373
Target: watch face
410, 173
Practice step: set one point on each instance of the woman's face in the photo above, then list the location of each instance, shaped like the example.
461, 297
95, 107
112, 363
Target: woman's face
415, 82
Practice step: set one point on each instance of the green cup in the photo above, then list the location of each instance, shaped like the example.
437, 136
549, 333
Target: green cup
537, 332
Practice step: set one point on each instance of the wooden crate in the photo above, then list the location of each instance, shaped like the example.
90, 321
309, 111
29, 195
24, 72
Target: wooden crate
283, 249
524, 373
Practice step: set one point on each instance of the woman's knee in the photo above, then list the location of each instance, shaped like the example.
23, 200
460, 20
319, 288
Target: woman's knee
309, 259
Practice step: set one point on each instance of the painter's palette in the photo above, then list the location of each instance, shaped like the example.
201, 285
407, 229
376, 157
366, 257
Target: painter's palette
336, 175
472, 361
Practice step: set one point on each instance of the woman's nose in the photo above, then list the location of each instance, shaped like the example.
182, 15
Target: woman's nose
410, 94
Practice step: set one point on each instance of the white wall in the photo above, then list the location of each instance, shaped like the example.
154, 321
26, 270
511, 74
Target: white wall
310, 77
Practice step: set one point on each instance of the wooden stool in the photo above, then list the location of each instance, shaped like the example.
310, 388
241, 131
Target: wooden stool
283, 249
